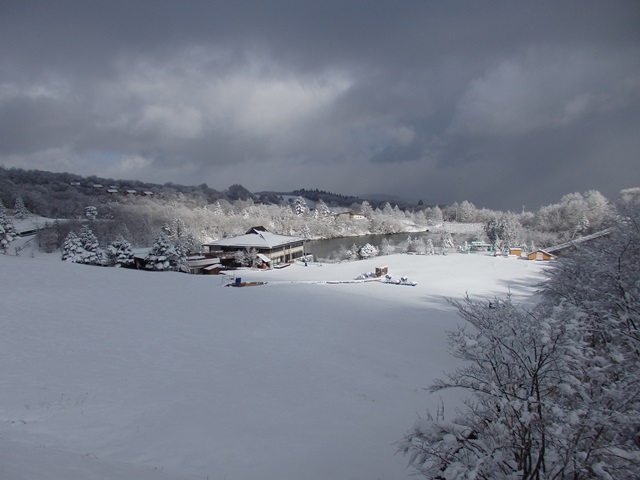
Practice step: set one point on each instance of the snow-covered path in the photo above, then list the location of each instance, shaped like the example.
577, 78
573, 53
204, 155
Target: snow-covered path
173, 376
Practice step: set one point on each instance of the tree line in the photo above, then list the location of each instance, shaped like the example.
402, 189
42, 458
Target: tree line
196, 215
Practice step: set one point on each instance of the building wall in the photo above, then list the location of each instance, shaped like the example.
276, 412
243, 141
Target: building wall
285, 254
539, 256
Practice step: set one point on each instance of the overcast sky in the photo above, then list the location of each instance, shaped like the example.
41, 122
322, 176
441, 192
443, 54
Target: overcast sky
501, 103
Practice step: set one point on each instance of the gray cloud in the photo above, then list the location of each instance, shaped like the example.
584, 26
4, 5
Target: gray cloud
438, 101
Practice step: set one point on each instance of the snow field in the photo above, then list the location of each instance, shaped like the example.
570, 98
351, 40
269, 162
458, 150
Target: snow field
174, 376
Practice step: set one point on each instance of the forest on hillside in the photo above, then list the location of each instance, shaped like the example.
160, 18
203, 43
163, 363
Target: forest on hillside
139, 212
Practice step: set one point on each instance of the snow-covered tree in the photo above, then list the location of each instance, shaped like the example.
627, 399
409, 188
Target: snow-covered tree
429, 248
629, 198
511, 425
367, 251
466, 212
7, 230
164, 256
72, 248
91, 212
553, 388
252, 257
353, 252
82, 248
446, 242
240, 257
366, 209
217, 209
20, 210
503, 230
120, 253
91, 246
387, 248
419, 246
434, 215
300, 206
321, 210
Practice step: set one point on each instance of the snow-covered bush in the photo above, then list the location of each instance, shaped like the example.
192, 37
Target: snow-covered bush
367, 251
120, 253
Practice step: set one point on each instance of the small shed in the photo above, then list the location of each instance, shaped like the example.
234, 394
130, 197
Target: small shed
215, 269
540, 255
515, 251
380, 271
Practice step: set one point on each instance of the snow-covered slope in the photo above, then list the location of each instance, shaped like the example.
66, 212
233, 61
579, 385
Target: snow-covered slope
112, 374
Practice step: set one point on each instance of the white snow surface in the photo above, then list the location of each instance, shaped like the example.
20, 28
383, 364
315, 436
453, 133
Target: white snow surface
110, 373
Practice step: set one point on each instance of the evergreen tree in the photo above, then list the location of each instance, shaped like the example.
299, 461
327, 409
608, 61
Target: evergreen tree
300, 207
82, 248
120, 253
164, 256
366, 209
89, 242
7, 230
19, 210
71, 248
217, 209
322, 210
429, 248
446, 242
91, 213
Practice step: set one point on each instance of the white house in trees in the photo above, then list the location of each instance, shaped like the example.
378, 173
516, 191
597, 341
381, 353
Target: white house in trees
271, 248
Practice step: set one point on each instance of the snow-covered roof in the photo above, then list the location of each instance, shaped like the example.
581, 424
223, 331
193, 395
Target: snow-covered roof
256, 239
579, 240
141, 252
212, 267
195, 262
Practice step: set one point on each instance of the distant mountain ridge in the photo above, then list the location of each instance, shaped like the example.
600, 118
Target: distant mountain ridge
71, 192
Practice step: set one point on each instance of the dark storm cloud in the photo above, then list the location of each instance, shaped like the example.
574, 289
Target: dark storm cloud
432, 100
